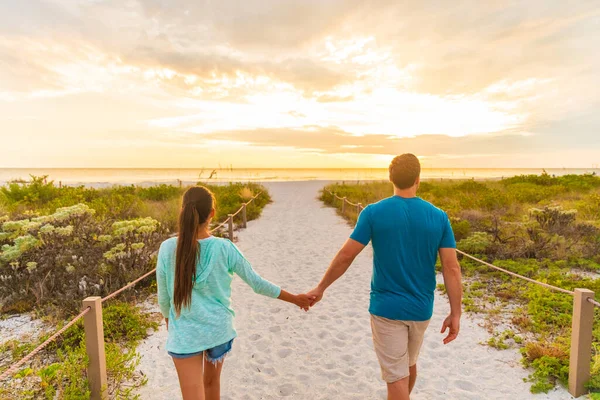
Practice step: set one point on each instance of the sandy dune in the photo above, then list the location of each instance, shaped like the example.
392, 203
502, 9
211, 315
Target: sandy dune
327, 353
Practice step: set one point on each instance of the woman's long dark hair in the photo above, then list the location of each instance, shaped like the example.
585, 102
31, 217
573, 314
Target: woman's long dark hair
198, 202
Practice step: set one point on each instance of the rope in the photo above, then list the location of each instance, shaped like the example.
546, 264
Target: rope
517, 275
18, 364
594, 302
220, 226
113, 294
236, 213
352, 204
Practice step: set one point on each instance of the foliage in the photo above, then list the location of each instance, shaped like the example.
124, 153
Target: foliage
58, 259
231, 196
51, 258
540, 226
60, 371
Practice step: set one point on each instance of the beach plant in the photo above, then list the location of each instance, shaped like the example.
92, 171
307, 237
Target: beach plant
60, 370
58, 259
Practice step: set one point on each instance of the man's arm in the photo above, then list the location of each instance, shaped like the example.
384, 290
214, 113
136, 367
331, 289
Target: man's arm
453, 282
338, 267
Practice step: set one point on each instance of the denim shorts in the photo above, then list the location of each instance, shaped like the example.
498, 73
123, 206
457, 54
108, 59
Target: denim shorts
215, 355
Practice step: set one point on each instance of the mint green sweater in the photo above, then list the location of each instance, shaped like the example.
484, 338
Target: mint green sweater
208, 322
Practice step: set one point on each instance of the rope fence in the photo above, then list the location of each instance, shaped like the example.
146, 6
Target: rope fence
582, 319
556, 288
29, 356
93, 326
594, 302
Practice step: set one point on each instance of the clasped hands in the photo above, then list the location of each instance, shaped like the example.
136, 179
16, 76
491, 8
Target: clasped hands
451, 324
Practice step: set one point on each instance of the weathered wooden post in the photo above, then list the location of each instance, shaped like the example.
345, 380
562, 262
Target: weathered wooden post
244, 216
230, 222
581, 342
60, 184
180, 183
94, 344
358, 209
343, 205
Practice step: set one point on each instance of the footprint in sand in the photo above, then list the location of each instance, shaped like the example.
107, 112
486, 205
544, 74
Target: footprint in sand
287, 389
464, 385
283, 353
254, 337
323, 334
275, 329
347, 357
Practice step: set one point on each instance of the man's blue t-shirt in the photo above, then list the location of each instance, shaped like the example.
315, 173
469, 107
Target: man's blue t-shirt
406, 234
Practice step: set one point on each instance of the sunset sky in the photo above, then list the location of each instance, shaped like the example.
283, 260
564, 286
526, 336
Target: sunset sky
299, 83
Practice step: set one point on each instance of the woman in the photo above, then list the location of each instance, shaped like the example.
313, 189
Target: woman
194, 274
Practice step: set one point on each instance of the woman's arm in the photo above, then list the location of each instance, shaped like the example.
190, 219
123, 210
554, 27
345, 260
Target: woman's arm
242, 267
301, 300
164, 301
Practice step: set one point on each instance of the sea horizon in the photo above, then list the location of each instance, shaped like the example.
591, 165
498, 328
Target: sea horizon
149, 176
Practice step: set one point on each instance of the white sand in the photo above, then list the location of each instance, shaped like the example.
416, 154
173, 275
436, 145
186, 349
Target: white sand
327, 353
21, 326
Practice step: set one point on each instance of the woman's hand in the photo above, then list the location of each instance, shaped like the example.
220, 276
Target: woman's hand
303, 301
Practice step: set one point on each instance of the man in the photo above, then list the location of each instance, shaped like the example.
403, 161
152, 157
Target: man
407, 233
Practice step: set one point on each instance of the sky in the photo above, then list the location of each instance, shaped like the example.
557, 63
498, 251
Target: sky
299, 83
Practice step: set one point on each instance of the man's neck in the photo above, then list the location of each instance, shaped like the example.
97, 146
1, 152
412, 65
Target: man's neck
406, 193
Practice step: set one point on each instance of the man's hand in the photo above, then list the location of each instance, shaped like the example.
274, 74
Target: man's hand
316, 294
303, 301
451, 323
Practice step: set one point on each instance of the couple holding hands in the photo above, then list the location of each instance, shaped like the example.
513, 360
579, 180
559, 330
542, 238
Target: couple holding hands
195, 271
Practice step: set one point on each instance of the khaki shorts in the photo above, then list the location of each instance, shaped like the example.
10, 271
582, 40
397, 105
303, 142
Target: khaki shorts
397, 345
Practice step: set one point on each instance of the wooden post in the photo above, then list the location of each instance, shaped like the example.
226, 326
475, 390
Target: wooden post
180, 183
94, 344
60, 184
358, 209
343, 205
581, 342
244, 216
230, 222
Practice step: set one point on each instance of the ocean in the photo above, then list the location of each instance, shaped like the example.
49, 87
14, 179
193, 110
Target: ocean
100, 177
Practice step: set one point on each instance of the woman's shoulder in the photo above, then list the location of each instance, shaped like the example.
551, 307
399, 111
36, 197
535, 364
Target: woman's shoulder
168, 245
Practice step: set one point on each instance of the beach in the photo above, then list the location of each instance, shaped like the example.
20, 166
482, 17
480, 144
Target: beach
327, 353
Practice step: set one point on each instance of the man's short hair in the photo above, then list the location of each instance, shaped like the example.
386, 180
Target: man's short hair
404, 170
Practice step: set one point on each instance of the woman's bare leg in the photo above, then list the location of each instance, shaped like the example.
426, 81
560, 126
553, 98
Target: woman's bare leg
212, 379
190, 371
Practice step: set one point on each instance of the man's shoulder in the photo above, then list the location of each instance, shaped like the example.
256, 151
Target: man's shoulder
431, 206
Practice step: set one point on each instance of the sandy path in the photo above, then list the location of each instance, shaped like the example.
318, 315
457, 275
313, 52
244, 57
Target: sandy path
327, 353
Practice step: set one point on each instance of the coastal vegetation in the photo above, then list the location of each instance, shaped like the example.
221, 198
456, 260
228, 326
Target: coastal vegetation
544, 227
59, 245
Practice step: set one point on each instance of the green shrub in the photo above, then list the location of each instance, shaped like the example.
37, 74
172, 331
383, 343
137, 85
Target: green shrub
62, 373
56, 260
477, 243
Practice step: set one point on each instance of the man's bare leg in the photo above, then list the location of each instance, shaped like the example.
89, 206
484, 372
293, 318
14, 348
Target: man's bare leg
399, 390
412, 378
